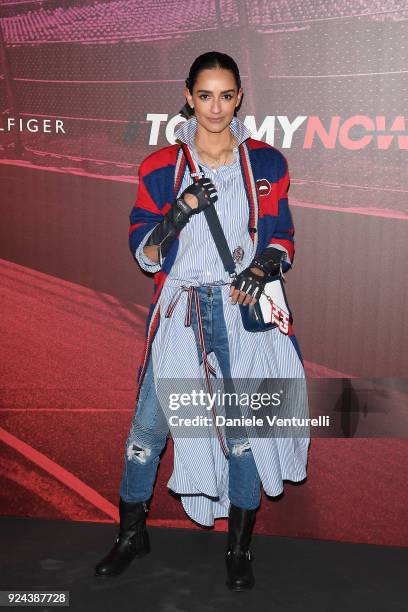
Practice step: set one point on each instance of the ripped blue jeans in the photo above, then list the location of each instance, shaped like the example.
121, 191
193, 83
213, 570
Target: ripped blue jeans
149, 428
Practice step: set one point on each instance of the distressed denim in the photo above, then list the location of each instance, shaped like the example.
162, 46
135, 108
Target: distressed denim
149, 427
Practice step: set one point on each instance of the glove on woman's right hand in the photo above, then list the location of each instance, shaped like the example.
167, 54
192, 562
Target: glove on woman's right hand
204, 191
179, 215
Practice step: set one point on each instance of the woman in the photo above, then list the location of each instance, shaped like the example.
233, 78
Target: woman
195, 324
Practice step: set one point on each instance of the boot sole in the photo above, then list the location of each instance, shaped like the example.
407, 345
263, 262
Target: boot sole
240, 588
118, 573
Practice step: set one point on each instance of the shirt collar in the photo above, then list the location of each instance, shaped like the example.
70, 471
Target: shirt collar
187, 131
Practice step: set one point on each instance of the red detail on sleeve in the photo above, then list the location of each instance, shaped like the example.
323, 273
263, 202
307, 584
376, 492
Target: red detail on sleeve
288, 244
166, 208
133, 227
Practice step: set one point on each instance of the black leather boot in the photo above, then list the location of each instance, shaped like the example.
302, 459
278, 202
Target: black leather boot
132, 540
238, 557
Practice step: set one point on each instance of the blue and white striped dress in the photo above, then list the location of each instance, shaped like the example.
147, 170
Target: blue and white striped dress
200, 469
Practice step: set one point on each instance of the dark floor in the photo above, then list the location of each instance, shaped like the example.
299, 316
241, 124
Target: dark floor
185, 571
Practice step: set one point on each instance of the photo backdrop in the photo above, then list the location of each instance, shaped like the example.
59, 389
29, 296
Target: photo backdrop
87, 90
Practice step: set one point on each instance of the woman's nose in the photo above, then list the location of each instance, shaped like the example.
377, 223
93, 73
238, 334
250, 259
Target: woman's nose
215, 106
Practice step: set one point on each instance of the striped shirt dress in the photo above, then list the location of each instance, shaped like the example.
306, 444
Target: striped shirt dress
200, 470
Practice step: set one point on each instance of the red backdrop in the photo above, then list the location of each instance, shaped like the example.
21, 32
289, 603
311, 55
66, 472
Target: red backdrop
87, 91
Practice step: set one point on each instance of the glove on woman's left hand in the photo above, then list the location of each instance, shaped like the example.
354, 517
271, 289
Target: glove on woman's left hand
249, 284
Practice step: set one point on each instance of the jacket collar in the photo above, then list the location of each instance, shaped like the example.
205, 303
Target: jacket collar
187, 131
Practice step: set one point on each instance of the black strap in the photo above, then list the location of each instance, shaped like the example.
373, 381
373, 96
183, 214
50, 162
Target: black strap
216, 230
219, 239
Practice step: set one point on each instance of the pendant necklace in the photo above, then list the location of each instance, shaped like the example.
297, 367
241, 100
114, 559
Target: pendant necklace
215, 160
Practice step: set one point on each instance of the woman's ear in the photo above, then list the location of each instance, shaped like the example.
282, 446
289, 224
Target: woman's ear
189, 97
239, 97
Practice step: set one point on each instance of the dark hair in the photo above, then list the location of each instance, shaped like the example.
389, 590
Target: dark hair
211, 59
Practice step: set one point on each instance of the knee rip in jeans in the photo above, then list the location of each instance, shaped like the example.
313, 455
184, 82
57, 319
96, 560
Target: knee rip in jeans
241, 447
138, 452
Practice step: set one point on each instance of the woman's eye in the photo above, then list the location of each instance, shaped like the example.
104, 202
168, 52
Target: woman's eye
205, 96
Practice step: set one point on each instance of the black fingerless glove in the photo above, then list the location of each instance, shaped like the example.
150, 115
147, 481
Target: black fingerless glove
205, 193
269, 262
165, 233
249, 282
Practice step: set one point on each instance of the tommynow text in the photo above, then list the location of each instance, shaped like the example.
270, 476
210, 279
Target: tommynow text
350, 133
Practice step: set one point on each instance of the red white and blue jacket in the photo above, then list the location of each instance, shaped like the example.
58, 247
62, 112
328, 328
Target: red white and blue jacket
266, 178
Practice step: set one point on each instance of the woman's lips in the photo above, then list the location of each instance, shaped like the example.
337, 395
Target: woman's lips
216, 120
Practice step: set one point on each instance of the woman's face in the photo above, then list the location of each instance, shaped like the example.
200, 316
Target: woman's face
215, 97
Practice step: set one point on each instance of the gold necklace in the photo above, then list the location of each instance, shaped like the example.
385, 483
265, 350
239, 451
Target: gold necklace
215, 160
